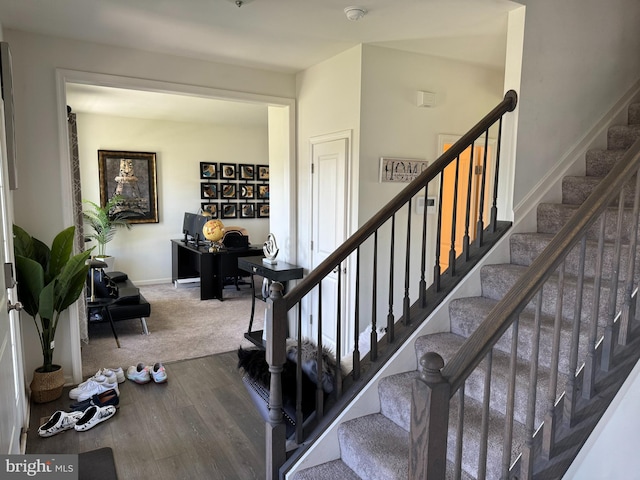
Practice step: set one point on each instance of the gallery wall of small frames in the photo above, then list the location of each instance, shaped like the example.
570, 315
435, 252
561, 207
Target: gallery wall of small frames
234, 190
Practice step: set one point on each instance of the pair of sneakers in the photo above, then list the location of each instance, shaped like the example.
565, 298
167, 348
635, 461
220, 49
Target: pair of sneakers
142, 373
104, 379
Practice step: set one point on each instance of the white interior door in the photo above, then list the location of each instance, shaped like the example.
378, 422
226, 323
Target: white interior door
12, 397
330, 166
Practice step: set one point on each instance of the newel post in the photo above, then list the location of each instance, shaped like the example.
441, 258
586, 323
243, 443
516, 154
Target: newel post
276, 327
429, 421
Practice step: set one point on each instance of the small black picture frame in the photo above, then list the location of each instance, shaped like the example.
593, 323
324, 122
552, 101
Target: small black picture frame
228, 171
263, 172
210, 209
247, 210
247, 191
208, 191
228, 191
247, 172
263, 192
262, 210
208, 170
229, 210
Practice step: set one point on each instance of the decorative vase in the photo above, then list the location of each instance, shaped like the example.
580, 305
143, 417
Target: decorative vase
109, 260
47, 386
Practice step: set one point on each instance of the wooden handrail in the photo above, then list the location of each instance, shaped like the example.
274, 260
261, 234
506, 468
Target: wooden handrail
508, 104
502, 315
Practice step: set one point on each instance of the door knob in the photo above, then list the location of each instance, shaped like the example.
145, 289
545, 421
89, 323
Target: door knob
13, 306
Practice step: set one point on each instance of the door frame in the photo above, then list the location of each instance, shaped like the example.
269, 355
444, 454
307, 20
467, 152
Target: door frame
284, 225
347, 283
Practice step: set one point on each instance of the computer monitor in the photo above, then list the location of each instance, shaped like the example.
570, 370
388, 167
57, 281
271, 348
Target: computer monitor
188, 226
198, 223
192, 227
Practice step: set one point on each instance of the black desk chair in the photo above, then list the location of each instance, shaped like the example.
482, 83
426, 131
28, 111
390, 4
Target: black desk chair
235, 239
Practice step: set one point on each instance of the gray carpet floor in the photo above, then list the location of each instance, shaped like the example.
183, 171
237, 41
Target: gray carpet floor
181, 326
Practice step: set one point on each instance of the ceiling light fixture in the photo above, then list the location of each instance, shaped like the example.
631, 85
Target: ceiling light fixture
355, 13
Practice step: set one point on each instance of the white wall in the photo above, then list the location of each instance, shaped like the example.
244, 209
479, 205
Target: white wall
328, 101
392, 125
38, 204
373, 91
283, 216
611, 452
35, 59
144, 252
580, 57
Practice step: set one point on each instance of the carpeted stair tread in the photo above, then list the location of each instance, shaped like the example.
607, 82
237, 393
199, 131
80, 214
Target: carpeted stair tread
471, 437
497, 279
377, 449
395, 397
575, 190
622, 136
599, 162
374, 447
335, 469
525, 248
553, 216
448, 344
468, 313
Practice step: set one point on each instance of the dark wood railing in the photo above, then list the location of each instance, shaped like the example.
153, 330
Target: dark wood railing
376, 272
609, 216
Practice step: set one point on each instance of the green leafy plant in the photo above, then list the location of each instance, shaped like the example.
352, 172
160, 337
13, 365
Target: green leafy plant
49, 281
104, 223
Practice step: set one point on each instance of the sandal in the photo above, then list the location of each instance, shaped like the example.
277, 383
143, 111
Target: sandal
59, 422
93, 415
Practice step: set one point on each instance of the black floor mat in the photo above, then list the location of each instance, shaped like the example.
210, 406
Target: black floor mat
97, 465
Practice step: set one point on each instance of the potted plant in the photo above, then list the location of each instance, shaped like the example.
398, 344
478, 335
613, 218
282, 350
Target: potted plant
104, 223
49, 281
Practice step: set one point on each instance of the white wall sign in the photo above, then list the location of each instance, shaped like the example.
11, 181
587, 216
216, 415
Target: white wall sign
401, 170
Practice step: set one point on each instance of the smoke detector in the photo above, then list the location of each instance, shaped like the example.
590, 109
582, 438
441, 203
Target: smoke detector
355, 13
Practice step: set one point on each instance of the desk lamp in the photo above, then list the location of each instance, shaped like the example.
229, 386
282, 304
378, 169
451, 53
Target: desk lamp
93, 264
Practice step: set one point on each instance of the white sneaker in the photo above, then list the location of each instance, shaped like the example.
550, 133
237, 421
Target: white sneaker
93, 416
139, 373
59, 422
93, 387
119, 374
158, 373
110, 375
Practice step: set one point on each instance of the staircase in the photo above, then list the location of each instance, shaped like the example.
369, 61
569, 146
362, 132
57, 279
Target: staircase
377, 446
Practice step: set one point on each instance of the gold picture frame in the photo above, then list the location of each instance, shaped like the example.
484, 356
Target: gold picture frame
133, 176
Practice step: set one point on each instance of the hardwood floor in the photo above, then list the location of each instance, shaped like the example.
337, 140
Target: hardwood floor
200, 425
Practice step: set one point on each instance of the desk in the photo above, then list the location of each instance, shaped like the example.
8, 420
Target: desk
280, 272
189, 261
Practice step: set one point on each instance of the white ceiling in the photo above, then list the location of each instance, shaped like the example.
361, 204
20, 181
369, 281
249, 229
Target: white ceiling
281, 35
121, 102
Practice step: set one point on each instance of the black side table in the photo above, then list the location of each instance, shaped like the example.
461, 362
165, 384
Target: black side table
279, 272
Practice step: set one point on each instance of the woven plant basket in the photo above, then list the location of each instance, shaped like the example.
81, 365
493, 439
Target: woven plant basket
47, 386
